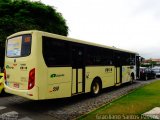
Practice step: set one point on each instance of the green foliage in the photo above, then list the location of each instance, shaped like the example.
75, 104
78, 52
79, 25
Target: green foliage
4, 1
20, 15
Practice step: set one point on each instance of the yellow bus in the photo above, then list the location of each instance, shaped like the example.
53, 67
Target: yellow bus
41, 65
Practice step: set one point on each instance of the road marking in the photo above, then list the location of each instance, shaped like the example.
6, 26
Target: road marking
25, 118
2, 107
13, 115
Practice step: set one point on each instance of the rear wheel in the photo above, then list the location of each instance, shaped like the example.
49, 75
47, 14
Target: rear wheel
95, 88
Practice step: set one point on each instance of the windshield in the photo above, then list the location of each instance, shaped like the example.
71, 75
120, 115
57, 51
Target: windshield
19, 46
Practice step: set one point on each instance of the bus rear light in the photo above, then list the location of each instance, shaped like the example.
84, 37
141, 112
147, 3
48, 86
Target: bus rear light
31, 81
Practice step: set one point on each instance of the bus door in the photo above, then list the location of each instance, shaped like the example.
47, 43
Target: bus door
118, 69
77, 69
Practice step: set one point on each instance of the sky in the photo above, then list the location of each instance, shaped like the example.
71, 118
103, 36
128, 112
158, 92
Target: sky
127, 24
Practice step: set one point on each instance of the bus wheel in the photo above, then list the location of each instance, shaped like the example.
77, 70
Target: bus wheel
96, 87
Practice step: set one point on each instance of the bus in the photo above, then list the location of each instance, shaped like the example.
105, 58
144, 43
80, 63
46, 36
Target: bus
41, 65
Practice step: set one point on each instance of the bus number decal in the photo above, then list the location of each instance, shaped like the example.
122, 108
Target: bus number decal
56, 88
108, 70
23, 67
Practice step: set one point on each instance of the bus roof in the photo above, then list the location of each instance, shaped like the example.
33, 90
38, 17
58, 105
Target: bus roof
68, 39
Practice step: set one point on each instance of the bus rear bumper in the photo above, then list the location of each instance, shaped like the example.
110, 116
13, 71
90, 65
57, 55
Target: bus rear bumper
30, 94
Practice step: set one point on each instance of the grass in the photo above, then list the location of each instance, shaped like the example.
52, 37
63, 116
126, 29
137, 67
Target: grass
135, 103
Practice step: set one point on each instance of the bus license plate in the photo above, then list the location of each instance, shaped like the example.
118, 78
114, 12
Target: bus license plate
16, 85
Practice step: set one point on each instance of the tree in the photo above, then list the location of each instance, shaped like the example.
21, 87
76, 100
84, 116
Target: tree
20, 15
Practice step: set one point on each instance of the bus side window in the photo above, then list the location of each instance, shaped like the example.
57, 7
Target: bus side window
56, 52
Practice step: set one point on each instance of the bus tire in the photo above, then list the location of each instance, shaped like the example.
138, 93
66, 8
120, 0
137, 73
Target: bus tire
96, 87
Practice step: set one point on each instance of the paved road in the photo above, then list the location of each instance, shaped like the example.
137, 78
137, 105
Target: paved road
19, 108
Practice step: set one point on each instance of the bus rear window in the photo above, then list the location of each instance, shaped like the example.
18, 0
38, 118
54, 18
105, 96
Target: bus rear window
19, 46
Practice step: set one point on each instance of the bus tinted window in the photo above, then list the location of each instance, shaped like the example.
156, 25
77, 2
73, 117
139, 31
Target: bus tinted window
19, 46
55, 52
132, 59
99, 56
126, 58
